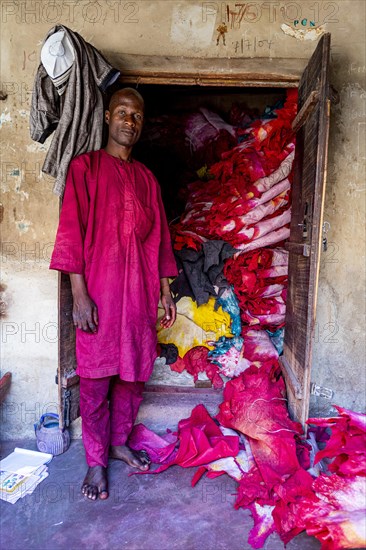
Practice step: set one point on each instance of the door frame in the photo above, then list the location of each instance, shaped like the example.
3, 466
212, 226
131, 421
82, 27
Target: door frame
165, 70
189, 71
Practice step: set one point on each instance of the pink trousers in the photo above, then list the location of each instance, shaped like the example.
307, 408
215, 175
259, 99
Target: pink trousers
108, 408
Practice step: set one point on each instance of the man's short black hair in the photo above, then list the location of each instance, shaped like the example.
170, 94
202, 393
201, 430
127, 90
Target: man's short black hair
127, 91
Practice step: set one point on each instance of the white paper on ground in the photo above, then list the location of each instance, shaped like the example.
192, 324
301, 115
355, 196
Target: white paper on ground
24, 461
26, 488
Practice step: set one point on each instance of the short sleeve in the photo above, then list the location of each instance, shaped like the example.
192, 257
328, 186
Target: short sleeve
45, 107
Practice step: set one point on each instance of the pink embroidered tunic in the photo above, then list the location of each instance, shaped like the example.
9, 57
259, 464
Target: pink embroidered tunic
113, 230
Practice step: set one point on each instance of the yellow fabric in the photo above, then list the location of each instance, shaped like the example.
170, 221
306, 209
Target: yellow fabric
194, 326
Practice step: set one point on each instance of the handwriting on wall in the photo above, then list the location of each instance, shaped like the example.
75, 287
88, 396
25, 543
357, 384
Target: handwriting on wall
252, 45
29, 58
21, 92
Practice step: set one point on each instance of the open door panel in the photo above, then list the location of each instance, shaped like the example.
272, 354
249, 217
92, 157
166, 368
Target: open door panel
312, 125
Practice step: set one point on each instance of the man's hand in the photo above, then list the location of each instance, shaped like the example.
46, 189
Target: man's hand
84, 312
170, 311
168, 304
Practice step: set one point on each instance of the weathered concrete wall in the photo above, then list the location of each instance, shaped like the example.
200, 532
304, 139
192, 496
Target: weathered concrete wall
182, 28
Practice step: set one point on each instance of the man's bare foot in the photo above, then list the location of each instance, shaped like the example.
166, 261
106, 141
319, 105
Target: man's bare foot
136, 459
95, 483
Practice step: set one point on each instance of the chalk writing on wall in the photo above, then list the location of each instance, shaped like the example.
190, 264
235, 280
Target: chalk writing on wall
361, 140
29, 57
252, 45
356, 69
19, 90
68, 11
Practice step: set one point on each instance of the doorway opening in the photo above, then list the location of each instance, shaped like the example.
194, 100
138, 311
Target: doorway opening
191, 80
185, 134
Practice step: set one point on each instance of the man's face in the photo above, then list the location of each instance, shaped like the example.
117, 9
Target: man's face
125, 119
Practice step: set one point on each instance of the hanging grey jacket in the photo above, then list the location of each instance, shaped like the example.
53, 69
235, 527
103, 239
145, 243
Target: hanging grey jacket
76, 117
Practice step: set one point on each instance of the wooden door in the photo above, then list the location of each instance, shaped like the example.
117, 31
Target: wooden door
305, 240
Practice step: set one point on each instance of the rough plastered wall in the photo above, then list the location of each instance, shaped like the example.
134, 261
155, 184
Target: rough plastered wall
181, 28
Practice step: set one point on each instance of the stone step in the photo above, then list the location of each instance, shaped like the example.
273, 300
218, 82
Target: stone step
162, 408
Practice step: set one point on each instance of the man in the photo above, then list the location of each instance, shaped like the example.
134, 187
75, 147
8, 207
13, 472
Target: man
113, 240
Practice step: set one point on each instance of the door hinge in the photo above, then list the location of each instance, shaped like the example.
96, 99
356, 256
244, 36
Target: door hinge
67, 407
298, 248
305, 110
326, 227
